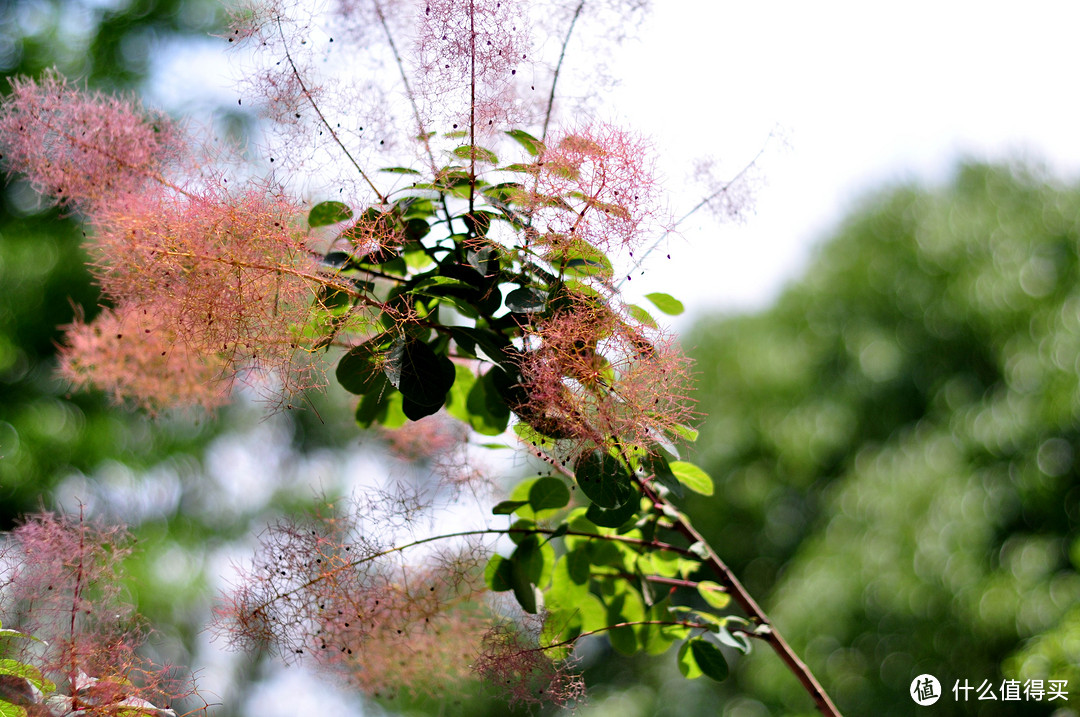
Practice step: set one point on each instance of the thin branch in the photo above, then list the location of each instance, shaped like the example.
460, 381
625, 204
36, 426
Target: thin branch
420, 129
322, 118
697, 207
472, 108
634, 623
558, 68
765, 629
654, 544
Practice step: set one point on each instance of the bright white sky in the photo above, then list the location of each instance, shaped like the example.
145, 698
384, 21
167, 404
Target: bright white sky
865, 93
862, 94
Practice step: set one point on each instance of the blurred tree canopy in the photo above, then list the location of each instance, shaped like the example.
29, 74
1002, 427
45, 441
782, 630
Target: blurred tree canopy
895, 446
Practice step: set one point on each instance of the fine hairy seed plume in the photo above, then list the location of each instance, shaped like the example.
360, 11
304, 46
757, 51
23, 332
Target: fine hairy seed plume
469, 54
351, 600
605, 176
83, 149
61, 583
595, 379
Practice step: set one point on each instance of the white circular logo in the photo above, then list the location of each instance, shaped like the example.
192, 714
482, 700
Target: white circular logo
925, 690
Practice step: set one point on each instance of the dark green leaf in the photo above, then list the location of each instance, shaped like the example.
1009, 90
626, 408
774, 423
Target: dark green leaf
418, 372
709, 658
507, 507
658, 467
360, 369
416, 229
415, 411
613, 517
497, 574
625, 606
578, 566
488, 414
548, 493
382, 405
526, 300
326, 213
479, 222
526, 568
336, 259
604, 479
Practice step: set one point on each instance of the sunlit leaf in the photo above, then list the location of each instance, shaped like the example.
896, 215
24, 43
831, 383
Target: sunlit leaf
326, 213
531, 144
714, 594
666, 303
692, 477
548, 493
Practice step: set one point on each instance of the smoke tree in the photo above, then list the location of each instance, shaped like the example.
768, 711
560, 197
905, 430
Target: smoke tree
447, 244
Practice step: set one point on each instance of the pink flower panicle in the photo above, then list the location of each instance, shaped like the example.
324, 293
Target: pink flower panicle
209, 284
513, 662
352, 603
82, 148
210, 287
133, 354
594, 378
606, 177
469, 55
61, 582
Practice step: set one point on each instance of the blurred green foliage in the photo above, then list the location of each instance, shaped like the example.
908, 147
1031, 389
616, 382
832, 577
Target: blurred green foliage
895, 444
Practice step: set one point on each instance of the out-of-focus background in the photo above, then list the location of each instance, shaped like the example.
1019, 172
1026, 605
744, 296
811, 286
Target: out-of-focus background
887, 347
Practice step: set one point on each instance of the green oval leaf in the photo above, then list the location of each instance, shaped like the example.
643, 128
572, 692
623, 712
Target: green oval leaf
688, 666
714, 594
614, 517
360, 369
604, 479
526, 568
507, 507
471, 151
326, 213
526, 300
548, 493
497, 574
531, 144
658, 466
692, 477
666, 303
421, 375
709, 658
641, 315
